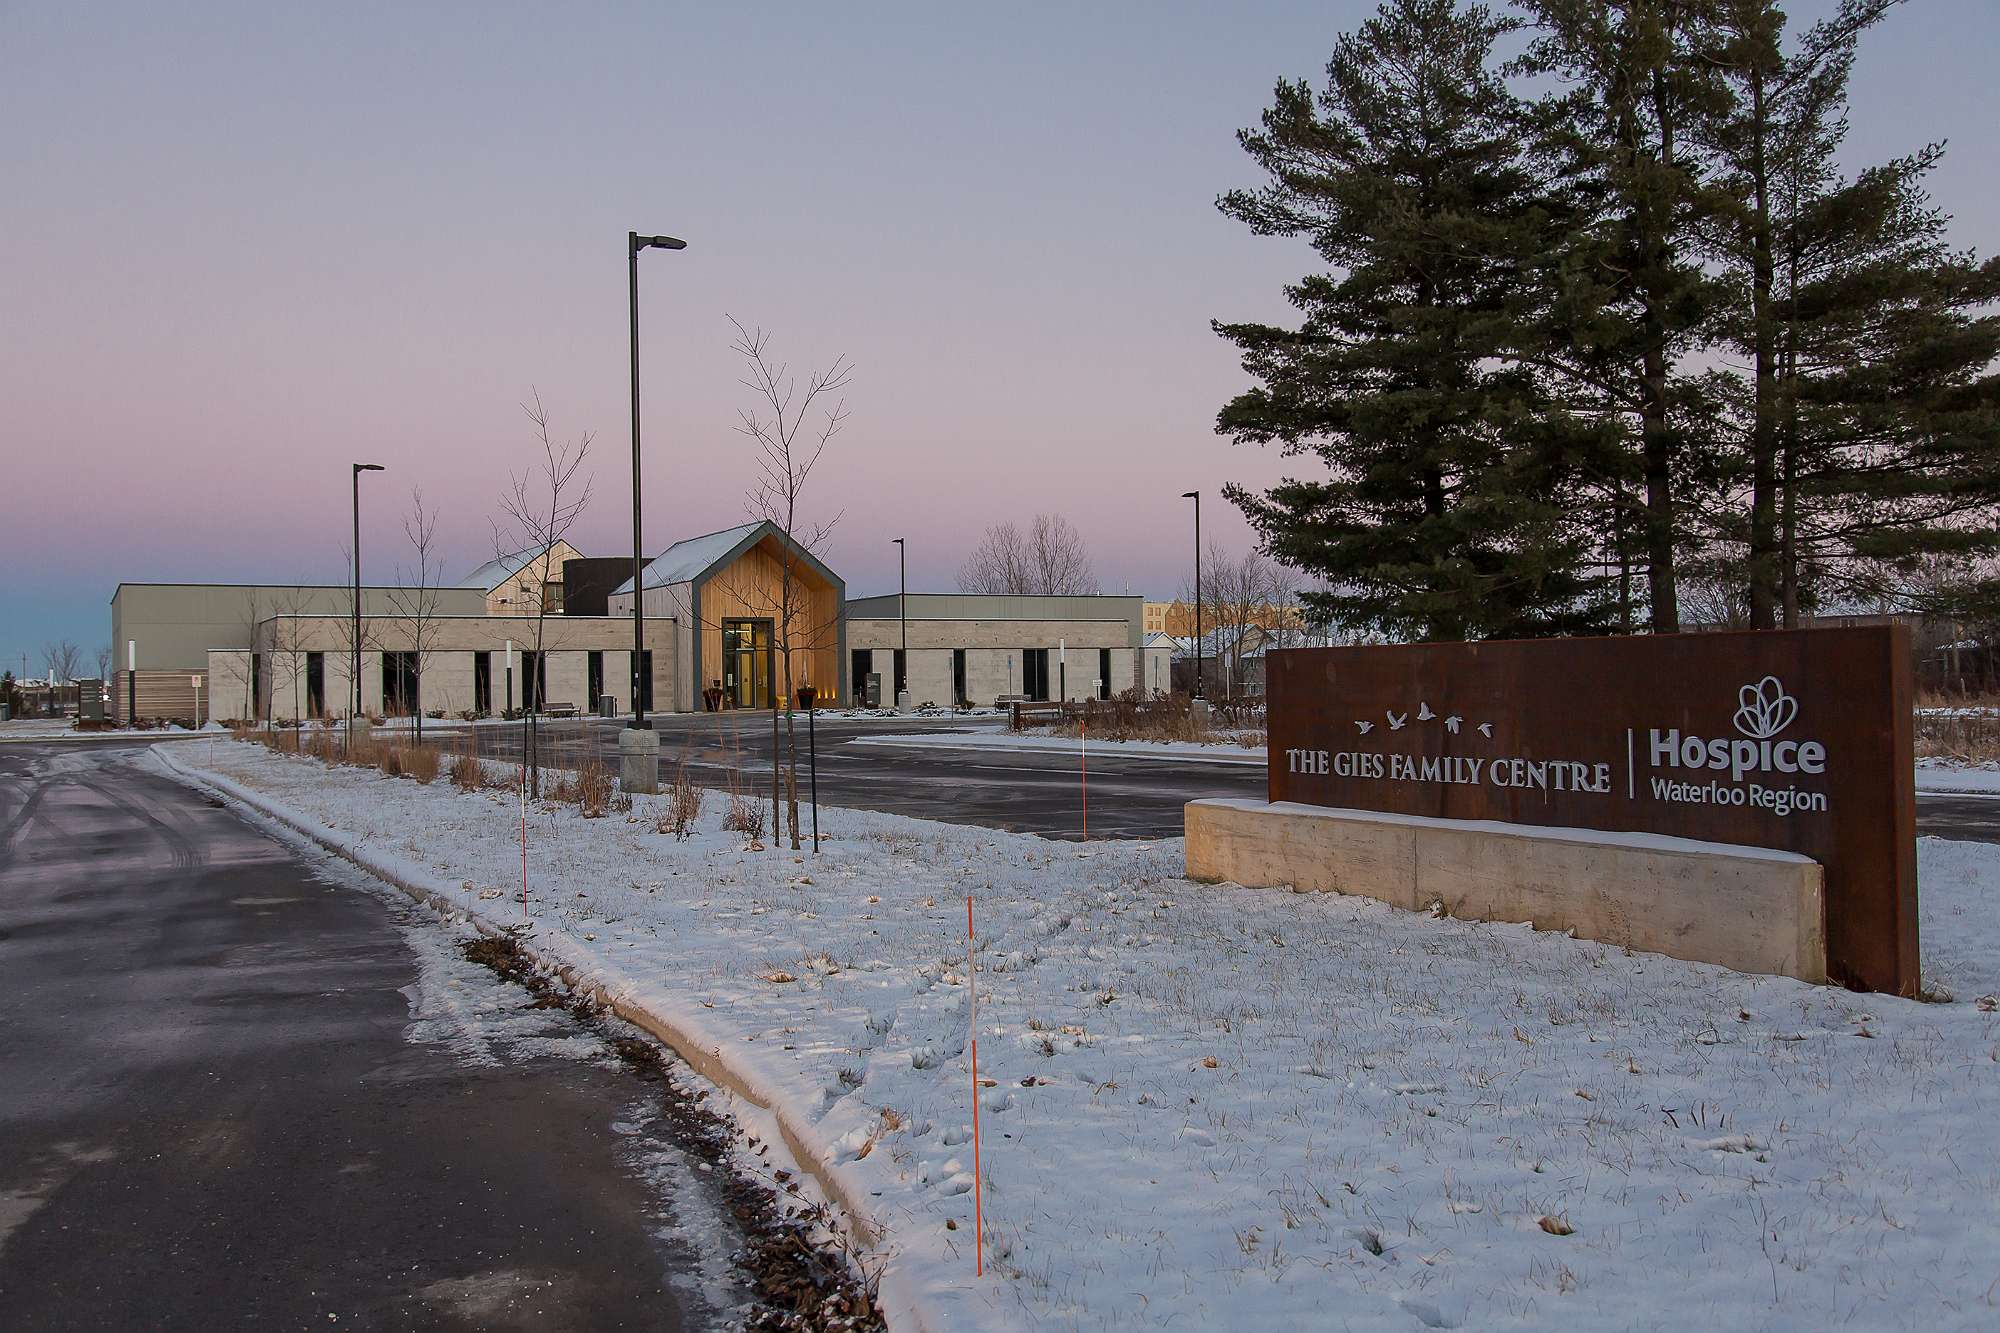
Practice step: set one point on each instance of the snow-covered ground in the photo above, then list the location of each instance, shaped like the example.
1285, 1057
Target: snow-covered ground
1219, 1106
64, 729
1946, 775
1221, 751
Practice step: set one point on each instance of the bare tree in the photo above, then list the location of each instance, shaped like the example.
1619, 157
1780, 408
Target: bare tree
104, 662
62, 658
288, 653
541, 506
999, 564
415, 600
348, 647
1247, 604
1049, 559
1061, 561
791, 426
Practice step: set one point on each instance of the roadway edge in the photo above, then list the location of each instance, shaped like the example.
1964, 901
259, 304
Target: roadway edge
902, 1308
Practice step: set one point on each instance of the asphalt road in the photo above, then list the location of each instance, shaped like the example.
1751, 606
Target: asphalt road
1026, 791
213, 1114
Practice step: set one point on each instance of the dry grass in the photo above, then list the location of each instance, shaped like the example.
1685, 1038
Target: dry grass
683, 804
1966, 740
420, 762
467, 773
1130, 718
745, 816
594, 790
1957, 699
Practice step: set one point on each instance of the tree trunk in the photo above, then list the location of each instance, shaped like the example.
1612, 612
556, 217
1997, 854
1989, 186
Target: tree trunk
1764, 575
791, 752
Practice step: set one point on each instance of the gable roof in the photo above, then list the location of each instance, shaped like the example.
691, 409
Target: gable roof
688, 560
501, 568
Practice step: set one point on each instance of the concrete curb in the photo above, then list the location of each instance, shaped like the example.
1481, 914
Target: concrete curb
900, 1309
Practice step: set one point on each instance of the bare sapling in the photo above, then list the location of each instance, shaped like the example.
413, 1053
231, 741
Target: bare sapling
790, 426
541, 506
683, 805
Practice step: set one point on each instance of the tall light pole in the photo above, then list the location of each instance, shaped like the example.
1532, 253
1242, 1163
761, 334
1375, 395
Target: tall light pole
1196, 497
355, 706
634, 243
902, 614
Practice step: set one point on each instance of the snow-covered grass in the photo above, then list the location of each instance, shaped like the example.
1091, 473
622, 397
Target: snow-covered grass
1222, 751
64, 729
1221, 1106
1950, 775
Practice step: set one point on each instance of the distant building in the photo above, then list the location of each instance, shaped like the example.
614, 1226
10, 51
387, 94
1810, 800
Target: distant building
720, 611
525, 582
1177, 617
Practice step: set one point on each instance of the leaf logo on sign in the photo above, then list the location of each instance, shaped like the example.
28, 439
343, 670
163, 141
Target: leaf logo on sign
1764, 709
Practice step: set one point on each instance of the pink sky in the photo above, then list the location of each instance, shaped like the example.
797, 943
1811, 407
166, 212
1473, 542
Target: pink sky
245, 249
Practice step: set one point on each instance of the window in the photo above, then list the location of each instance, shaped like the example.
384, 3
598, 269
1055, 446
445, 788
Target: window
858, 666
958, 676
902, 673
746, 663
534, 680
1035, 673
646, 680
552, 598
593, 675
1104, 673
399, 684
256, 686
482, 683
315, 684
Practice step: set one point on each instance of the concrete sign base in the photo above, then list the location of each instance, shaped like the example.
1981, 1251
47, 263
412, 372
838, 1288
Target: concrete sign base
1753, 909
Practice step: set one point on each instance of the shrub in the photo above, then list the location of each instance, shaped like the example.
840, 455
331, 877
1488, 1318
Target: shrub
420, 762
466, 772
390, 760
683, 805
593, 789
745, 816
468, 715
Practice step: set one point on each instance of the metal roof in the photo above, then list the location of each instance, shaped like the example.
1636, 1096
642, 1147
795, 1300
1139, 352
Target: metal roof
686, 560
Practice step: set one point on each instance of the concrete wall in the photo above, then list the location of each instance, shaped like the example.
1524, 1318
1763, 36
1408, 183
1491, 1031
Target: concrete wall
868, 632
175, 624
1748, 908
285, 644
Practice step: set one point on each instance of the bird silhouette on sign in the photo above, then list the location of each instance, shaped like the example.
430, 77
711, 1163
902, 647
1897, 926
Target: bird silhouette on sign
1424, 713
1396, 723
1365, 727
1451, 723
1486, 730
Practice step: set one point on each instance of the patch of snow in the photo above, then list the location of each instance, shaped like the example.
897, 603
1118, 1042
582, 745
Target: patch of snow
1219, 753
1275, 1110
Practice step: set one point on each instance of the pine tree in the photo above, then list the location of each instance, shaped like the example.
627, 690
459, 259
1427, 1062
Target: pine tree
1630, 298
1868, 421
1444, 513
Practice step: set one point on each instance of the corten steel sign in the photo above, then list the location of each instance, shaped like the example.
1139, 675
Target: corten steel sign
1794, 739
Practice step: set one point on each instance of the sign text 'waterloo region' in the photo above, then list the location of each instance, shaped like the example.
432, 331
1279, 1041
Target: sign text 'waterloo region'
1797, 740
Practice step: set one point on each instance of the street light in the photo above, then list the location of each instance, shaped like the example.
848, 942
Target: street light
903, 616
634, 243
1196, 497
359, 468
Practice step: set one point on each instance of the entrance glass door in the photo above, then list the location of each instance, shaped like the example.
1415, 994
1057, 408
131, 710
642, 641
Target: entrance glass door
746, 663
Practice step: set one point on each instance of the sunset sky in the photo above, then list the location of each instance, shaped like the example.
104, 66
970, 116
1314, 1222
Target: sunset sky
241, 246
